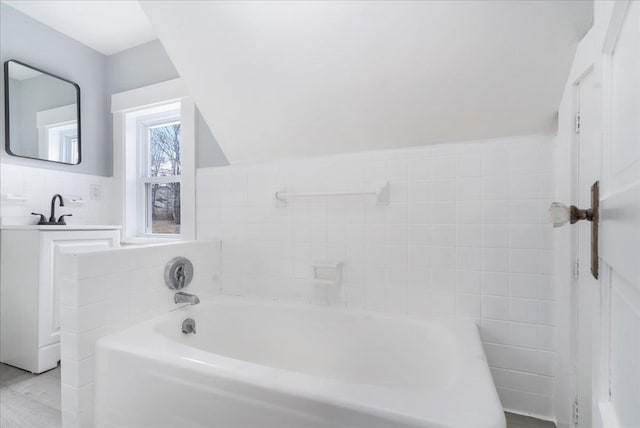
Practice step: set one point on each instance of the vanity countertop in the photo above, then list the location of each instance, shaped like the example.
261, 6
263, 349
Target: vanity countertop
59, 228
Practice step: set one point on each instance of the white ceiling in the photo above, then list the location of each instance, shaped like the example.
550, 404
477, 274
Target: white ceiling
106, 26
286, 79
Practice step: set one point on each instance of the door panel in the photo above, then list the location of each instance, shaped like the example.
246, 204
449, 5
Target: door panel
625, 351
617, 398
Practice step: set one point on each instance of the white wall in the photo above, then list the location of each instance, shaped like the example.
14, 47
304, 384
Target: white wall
466, 233
103, 292
39, 185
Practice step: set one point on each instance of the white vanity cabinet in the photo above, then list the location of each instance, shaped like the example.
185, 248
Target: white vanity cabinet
29, 293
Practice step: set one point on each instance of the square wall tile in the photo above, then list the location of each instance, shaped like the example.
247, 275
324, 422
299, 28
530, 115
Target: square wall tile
469, 189
524, 261
495, 259
495, 212
495, 307
495, 187
469, 212
443, 190
495, 283
495, 163
419, 169
444, 167
469, 235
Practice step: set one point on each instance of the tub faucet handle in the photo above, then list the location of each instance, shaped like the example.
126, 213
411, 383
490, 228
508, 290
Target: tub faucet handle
180, 275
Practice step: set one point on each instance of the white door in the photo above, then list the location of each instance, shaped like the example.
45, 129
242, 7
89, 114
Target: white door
616, 356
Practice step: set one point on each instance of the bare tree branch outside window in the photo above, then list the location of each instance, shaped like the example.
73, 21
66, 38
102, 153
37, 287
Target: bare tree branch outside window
164, 160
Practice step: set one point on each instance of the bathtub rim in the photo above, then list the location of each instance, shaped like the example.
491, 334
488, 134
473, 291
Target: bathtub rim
484, 406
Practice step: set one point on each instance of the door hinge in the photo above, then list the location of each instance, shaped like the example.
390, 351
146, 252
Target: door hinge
575, 409
577, 123
576, 269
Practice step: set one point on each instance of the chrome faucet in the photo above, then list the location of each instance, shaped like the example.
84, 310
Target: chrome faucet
181, 297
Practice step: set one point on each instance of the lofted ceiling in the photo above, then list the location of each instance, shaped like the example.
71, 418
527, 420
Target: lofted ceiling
287, 79
106, 26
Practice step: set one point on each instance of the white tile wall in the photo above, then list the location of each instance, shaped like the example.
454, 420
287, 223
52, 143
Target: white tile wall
41, 184
465, 233
105, 291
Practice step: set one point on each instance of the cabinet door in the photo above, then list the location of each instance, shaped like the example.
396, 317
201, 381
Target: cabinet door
53, 244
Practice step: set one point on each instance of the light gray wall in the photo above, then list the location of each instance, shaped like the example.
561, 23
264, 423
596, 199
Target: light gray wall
208, 151
148, 64
139, 66
29, 41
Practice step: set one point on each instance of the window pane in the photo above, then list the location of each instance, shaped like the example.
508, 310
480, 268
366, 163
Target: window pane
164, 153
163, 208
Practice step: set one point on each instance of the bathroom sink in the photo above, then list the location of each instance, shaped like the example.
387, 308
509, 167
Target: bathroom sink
61, 228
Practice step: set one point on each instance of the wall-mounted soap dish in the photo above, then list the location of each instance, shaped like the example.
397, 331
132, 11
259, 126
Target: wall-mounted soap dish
15, 197
73, 200
327, 273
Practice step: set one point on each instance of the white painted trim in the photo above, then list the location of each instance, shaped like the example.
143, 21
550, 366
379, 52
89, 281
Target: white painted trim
615, 26
125, 104
119, 129
609, 419
188, 175
148, 96
53, 116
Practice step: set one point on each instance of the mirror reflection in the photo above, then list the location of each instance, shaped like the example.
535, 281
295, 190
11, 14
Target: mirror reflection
43, 120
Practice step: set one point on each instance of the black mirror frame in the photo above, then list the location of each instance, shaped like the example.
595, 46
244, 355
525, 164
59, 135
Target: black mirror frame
6, 112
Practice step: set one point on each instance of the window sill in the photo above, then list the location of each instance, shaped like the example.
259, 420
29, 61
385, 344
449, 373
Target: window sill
141, 240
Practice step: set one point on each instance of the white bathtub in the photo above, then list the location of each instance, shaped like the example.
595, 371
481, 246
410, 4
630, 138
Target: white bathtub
257, 364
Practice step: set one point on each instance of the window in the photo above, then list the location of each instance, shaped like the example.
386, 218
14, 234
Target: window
63, 143
160, 175
154, 160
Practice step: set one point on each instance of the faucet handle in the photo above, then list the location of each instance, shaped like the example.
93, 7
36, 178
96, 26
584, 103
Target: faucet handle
61, 218
43, 219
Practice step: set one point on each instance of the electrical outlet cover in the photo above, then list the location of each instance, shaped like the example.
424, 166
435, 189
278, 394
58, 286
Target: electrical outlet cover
96, 192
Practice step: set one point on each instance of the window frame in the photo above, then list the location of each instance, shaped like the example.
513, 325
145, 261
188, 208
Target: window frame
128, 108
144, 214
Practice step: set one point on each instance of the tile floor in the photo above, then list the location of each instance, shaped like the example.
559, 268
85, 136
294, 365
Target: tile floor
28, 400
33, 401
519, 421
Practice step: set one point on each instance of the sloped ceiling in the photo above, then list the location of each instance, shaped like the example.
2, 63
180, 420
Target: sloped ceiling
286, 79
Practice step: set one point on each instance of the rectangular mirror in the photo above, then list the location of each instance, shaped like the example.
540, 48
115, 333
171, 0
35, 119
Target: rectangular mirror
42, 114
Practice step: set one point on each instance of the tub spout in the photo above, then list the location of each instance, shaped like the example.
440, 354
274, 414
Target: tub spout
181, 297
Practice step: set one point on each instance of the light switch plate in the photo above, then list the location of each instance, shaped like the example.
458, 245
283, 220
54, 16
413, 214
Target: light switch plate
95, 192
